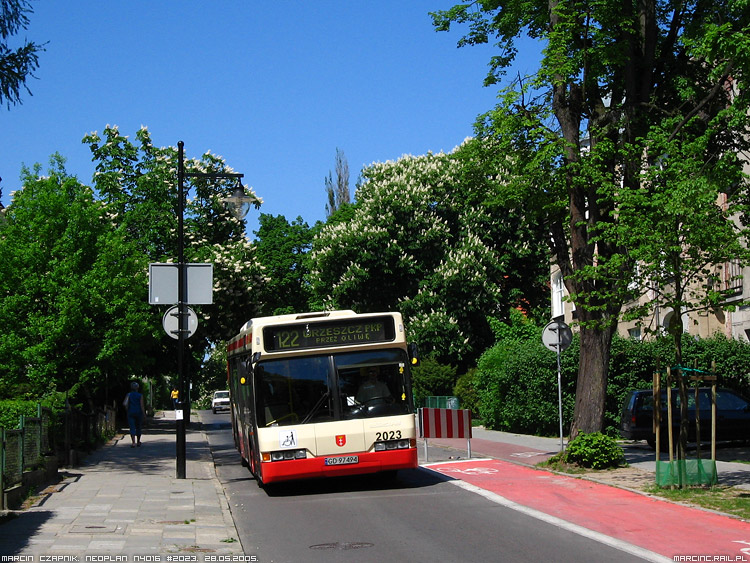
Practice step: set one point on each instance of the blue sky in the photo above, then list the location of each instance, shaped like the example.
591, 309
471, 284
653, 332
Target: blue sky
275, 87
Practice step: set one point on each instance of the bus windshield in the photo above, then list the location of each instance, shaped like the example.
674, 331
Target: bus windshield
324, 388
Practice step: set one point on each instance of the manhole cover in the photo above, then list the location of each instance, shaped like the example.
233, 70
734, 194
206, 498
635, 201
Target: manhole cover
343, 545
95, 529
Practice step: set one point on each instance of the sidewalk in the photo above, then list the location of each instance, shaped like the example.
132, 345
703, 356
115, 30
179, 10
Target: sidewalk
127, 501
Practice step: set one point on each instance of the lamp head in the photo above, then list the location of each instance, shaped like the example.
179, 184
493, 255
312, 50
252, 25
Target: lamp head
238, 204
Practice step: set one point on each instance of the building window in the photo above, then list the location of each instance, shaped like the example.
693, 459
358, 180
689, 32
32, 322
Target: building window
732, 274
635, 334
558, 292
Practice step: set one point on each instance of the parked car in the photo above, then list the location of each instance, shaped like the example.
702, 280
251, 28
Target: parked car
732, 416
220, 401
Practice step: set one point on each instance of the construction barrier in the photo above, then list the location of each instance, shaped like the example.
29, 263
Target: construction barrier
445, 423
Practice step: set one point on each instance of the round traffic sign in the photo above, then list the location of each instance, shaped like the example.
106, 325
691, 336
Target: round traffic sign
171, 322
557, 336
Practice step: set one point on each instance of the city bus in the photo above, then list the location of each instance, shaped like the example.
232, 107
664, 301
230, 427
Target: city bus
322, 395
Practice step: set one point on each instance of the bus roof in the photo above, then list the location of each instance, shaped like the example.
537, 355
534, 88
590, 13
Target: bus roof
258, 322
243, 341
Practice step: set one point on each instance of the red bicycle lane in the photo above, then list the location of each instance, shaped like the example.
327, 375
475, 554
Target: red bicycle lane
652, 524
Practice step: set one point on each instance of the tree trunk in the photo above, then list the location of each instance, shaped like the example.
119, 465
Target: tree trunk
591, 388
676, 328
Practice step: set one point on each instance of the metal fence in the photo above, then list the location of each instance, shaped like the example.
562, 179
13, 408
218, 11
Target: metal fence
25, 447
84, 430
442, 402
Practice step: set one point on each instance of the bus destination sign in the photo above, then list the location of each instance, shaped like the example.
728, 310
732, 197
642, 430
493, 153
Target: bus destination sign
308, 335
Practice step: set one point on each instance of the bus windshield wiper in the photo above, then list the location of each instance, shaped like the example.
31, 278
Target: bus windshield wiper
316, 407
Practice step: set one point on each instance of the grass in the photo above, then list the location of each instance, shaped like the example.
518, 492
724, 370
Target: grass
556, 463
729, 500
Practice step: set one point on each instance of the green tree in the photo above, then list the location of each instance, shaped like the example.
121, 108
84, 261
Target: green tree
681, 237
138, 181
583, 129
422, 239
72, 292
214, 376
338, 192
282, 248
430, 378
16, 64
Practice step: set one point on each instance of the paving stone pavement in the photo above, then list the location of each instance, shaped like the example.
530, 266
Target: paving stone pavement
128, 501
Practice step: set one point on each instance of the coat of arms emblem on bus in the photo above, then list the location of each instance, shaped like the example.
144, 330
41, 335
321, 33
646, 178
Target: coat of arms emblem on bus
341, 440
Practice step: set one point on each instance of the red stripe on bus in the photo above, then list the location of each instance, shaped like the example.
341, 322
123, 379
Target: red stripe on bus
240, 342
371, 462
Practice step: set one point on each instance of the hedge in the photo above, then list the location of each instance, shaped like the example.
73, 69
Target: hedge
516, 380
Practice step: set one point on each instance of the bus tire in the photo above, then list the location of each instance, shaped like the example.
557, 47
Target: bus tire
254, 469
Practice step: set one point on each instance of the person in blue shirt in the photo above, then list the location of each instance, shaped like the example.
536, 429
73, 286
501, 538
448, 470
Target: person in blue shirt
133, 404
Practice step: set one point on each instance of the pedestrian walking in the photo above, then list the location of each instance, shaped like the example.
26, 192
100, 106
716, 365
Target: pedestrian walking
175, 398
133, 404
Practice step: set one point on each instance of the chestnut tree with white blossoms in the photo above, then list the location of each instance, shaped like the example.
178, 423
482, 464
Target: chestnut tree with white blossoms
426, 237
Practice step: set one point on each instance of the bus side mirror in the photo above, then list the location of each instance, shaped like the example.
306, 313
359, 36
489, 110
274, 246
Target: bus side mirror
256, 358
413, 353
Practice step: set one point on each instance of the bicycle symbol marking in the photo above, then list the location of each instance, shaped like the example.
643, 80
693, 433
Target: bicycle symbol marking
471, 470
744, 550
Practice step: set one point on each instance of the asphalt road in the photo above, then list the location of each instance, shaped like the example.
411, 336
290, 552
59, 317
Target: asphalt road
419, 516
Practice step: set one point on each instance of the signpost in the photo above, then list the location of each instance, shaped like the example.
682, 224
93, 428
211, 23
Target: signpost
557, 337
184, 284
179, 285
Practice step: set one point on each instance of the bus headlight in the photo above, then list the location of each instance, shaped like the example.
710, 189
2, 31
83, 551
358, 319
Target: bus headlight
281, 455
391, 445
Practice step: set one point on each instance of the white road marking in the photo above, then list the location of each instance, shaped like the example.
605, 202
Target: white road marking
644, 554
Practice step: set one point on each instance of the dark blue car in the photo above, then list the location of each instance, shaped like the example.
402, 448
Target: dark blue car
732, 416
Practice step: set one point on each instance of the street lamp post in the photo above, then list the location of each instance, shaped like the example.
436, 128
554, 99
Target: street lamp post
238, 203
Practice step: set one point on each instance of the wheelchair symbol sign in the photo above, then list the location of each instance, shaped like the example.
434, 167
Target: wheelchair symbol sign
288, 439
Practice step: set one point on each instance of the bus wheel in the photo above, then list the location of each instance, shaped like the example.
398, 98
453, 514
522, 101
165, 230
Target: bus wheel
255, 470
244, 462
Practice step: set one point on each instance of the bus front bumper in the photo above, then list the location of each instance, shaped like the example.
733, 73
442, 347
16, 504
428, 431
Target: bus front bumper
310, 468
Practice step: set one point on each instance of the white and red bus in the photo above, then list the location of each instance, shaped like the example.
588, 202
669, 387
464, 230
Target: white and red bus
322, 395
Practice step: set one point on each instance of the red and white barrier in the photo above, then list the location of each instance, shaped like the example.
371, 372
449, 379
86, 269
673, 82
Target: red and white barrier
445, 423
